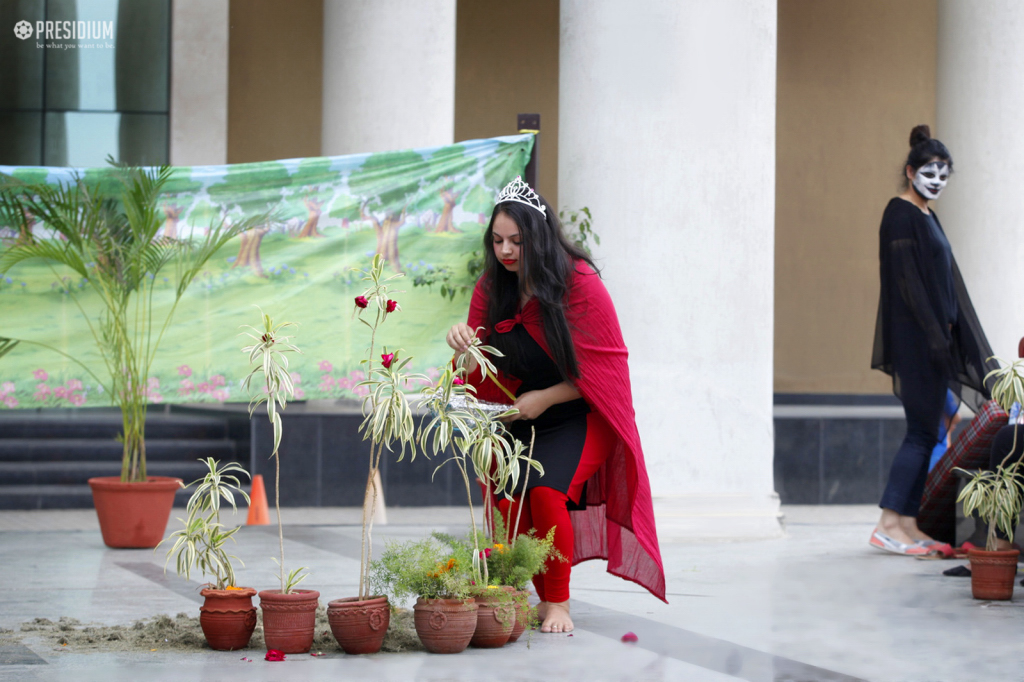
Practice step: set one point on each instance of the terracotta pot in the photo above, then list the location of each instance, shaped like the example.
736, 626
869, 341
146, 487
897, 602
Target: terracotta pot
133, 515
359, 625
993, 573
228, 618
289, 620
494, 619
522, 615
445, 626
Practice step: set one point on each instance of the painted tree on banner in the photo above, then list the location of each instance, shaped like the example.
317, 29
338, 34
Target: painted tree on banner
249, 189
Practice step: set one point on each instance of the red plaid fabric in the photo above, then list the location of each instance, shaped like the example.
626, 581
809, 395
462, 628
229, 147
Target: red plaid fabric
970, 450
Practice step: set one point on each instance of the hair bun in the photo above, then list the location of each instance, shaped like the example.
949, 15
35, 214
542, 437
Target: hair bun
919, 134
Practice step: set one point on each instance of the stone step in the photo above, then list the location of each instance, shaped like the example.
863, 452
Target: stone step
14, 497
72, 473
107, 426
89, 449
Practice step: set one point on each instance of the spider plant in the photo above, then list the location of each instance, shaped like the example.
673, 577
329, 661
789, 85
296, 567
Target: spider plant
267, 357
201, 543
996, 495
106, 232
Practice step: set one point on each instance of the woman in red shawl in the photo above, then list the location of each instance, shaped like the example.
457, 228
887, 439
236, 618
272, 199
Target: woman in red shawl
542, 304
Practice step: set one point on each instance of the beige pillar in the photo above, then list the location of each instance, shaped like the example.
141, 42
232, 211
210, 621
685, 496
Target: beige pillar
667, 133
199, 82
389, 75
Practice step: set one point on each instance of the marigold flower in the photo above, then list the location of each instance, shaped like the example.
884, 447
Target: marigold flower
391, 305
361, 301
386, 359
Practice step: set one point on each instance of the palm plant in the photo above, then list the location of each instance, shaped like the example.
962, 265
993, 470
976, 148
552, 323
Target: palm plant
997, 495
106, 232
201, 543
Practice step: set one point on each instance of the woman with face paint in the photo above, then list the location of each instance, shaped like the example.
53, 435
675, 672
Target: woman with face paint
927, 337
542, 304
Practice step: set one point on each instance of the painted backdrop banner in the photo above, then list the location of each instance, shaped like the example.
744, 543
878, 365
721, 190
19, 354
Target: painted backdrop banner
421, 209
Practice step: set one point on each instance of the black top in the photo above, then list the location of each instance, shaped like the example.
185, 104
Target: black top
926, 321
537, 371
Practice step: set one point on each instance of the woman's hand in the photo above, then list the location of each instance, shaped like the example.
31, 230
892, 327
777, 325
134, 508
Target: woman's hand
460, 336
531, 405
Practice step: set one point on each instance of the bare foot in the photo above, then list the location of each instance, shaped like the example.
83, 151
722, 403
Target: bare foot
556, 617
542, 611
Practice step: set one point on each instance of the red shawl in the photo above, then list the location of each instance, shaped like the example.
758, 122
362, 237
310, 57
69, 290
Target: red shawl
618, 522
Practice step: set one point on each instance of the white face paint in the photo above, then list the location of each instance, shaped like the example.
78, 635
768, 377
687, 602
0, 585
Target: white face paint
931, 178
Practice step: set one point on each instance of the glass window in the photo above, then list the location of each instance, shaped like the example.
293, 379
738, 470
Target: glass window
92, 81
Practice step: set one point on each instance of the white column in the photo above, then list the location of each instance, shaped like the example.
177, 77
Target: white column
199, 82
980, 98
389, 75
667, 133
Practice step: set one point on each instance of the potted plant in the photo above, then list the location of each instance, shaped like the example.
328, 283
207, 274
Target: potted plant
359, 623
476, 437
227, 617
512, 561
430, 570
996, 496
289, 615
106, 232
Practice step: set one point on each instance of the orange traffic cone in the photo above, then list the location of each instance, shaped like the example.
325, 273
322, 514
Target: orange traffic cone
259, 514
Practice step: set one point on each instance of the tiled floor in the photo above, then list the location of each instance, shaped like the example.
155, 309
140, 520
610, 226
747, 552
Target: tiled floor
818, 604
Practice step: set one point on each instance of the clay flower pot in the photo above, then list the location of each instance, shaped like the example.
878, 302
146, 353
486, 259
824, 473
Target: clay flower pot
228, 618
289, 620
522, 608
133, 515
359, 625
495, 618
993, 573
445, 626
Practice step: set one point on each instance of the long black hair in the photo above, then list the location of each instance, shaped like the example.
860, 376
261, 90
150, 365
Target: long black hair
546, 262
924, 148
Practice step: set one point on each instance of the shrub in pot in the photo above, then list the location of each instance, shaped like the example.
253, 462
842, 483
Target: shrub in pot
103, 226
996, 496
445, 613
227, 617
289, 615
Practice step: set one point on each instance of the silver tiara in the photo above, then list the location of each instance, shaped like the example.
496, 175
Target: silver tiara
520, 192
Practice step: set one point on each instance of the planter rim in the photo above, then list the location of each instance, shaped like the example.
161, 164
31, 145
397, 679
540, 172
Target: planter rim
355, 601
241, 592
154, 483
294, 595
446, 600
1007, 553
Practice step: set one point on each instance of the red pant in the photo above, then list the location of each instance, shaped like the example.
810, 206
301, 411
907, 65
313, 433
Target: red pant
546, 509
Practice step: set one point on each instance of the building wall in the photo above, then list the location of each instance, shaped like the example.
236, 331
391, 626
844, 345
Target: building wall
506, 63
275, 73
853, 79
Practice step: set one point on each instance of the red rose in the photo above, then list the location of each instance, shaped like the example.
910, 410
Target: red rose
391, 305
386, 359
274, 655
361, 301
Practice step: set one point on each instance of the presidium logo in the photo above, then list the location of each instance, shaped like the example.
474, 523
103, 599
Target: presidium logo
64, 30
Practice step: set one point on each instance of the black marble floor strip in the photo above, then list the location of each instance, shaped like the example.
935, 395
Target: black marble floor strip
707, 652
174, 583
19, 654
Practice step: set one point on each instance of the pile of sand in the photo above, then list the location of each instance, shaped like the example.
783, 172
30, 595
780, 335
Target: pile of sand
183, 633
